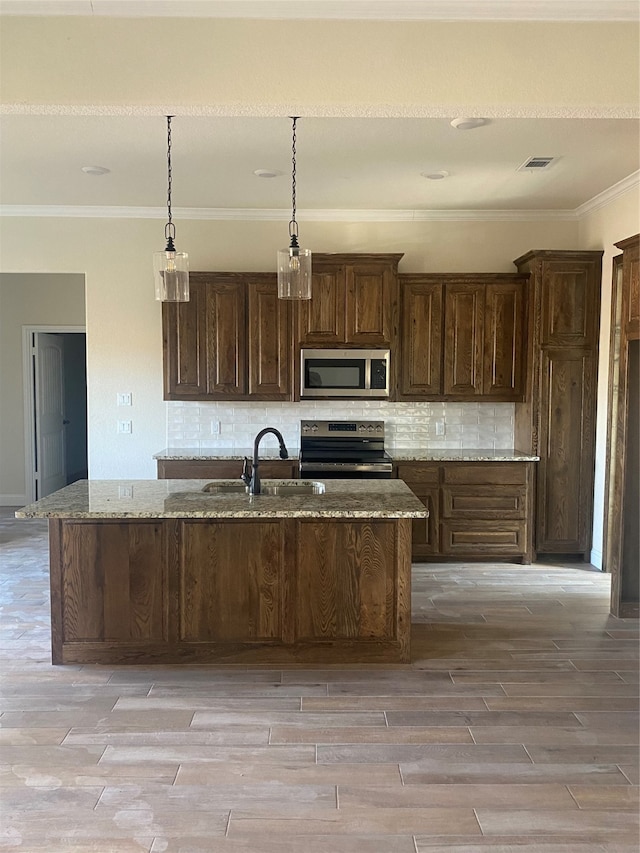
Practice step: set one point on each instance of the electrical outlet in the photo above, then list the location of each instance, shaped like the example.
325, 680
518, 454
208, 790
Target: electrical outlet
215, 427
125, 427
440, 428
125, 491
124, 399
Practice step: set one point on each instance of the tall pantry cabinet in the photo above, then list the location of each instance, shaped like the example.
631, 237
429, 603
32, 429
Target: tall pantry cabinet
558, 420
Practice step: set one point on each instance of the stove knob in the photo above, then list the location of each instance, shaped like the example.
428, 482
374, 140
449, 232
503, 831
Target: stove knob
305, 427
370, 427
314, 428
361, 428
379, 428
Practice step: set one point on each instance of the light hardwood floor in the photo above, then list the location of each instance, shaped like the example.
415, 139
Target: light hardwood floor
515, 728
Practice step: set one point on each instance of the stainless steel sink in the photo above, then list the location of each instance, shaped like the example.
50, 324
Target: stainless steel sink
226, 487
273, 488
305, 487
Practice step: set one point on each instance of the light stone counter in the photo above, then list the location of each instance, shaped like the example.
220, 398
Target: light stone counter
267, 454
185, 499
462, 455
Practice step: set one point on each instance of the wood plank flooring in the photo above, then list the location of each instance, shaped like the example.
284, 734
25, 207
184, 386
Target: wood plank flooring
515, 728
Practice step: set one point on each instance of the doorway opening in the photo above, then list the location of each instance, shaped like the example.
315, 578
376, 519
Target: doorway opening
55, 394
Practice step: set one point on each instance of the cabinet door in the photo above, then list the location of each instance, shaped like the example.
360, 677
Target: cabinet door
114, 582
423, 481
631, 293
269, 340
420, 368
226, 339
184, 354
463, 346
219, 602
321, 318
504, 342
369, 290
570, 302
565, 470
348, 577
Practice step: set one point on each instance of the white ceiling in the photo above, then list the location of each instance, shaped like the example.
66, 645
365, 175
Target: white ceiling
448, 10
368, 164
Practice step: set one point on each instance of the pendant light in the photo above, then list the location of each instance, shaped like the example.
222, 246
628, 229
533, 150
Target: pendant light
294, 263
171, 268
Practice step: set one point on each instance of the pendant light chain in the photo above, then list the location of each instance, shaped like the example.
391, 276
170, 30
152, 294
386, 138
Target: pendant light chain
170, 229
293, 225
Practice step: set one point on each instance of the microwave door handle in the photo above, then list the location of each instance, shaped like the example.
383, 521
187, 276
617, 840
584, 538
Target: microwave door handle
367, 373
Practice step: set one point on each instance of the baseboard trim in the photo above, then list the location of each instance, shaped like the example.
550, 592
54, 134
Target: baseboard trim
13, 500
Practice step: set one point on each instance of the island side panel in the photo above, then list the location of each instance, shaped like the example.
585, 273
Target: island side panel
55, 584
352, 588
113, 583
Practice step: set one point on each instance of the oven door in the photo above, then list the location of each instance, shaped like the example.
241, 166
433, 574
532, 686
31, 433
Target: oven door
345, 471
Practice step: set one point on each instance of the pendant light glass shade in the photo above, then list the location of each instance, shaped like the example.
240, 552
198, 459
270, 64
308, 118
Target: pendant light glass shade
170, 268
294, 263
294, 273
171, 274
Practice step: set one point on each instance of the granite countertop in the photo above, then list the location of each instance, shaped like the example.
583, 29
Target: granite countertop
461, 455
185, 499
267, 454
398, 454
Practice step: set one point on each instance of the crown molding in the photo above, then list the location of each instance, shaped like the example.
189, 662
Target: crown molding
277, 215
628, 184
383, 10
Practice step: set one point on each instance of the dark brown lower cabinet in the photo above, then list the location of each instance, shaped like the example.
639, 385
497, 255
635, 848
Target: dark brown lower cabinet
255, 590
479, 510
222, 469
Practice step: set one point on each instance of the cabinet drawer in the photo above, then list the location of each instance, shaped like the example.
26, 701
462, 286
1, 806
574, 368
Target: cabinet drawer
509, 473
471, 538
419, 475
221, 469
484, 502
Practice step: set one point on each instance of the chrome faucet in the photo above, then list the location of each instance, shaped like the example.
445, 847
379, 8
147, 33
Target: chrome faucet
254, 481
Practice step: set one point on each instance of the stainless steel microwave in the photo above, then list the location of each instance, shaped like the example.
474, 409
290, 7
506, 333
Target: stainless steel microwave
344, 373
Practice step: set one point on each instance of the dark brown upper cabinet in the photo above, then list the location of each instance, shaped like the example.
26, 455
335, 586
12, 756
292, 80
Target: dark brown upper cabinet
463, 337
232, 340
352, 301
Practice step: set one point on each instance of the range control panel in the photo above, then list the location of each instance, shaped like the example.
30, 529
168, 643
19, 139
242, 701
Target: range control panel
342, 428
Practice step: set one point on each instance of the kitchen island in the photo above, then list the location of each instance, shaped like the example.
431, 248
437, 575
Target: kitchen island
160, 571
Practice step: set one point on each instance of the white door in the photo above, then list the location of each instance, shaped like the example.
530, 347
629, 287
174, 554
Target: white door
51, 468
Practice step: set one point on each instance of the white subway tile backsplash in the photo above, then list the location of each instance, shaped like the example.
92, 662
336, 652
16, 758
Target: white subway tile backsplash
408, 425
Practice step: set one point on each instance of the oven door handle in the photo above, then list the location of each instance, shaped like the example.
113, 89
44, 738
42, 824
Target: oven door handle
383, 467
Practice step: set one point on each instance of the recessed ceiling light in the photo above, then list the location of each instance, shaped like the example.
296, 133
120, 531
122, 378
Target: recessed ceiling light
267, 173
466, 123
95, 170
435, 176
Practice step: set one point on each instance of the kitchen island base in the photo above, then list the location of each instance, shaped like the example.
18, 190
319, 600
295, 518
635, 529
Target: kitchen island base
270, 591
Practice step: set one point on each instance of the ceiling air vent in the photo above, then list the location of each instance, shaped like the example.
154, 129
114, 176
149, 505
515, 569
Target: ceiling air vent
536, 164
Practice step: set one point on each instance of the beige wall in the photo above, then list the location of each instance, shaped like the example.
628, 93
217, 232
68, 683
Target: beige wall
600, 230
323, 67
124, 335
27, 299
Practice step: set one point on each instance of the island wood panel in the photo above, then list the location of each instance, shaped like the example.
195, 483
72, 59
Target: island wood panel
113, 581
421, 340
231, 581
566, 444
463, 356
348, 586
211, 591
